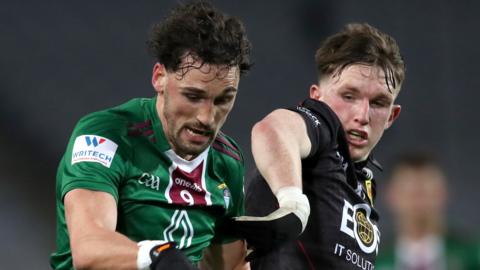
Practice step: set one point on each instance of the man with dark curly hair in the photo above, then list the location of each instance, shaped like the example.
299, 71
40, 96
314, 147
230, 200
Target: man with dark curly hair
147, 184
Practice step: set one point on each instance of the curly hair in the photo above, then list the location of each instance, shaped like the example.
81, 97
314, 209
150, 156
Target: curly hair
362, 44
203, 32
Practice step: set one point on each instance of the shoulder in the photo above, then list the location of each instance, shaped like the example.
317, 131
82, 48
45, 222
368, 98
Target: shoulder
113, 117
318, 113
109, 125
113, 120
227, 147
323, 126
227, 164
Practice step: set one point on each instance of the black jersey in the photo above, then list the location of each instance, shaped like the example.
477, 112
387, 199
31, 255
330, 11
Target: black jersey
342, 230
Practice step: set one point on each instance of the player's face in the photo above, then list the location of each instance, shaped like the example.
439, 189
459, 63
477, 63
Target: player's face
360, 98
193, 107
417, 194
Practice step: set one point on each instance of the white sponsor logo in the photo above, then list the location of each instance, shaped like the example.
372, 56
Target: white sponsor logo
357, 224
352, 257
187, 184
149, 180
309, 113
93, 148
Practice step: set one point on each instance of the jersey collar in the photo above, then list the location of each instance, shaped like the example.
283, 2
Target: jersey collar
369, 160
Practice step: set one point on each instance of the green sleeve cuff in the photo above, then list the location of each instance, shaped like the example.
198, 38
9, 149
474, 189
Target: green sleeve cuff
90, 185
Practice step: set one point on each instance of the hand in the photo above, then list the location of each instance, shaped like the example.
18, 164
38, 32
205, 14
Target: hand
266, 233
167, 256
284, 224
159, 254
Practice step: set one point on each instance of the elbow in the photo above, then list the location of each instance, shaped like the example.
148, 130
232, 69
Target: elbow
81, 259
258, 128
265, 128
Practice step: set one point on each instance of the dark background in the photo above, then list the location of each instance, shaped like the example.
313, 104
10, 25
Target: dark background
60, 60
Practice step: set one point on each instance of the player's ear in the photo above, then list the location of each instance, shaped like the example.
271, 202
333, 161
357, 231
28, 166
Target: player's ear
159, 77
315, 92
393, 115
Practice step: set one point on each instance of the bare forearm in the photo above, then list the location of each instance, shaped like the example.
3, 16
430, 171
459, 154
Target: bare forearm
278, 144
91, 220
275, 161
104, 250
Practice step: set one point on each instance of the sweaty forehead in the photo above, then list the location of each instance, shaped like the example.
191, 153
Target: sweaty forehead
364, 73
358, 75
215, 79
218, 74
193, 64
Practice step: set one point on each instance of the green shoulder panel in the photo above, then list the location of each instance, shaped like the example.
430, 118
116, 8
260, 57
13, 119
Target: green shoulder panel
97, 152
229, 165
94, 159
233, 167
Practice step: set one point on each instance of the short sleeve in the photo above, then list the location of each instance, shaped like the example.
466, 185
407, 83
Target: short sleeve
95, 156
318, 129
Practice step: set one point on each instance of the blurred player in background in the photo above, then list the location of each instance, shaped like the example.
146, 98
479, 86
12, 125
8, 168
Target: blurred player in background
417, 196
146, 185
313, 159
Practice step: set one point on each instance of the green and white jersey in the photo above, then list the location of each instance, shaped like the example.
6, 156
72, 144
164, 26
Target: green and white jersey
160, 196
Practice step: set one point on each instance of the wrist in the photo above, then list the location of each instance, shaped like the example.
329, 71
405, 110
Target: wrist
292, 198
143, 256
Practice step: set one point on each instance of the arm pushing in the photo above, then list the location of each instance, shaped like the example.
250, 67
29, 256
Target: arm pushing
279, 142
